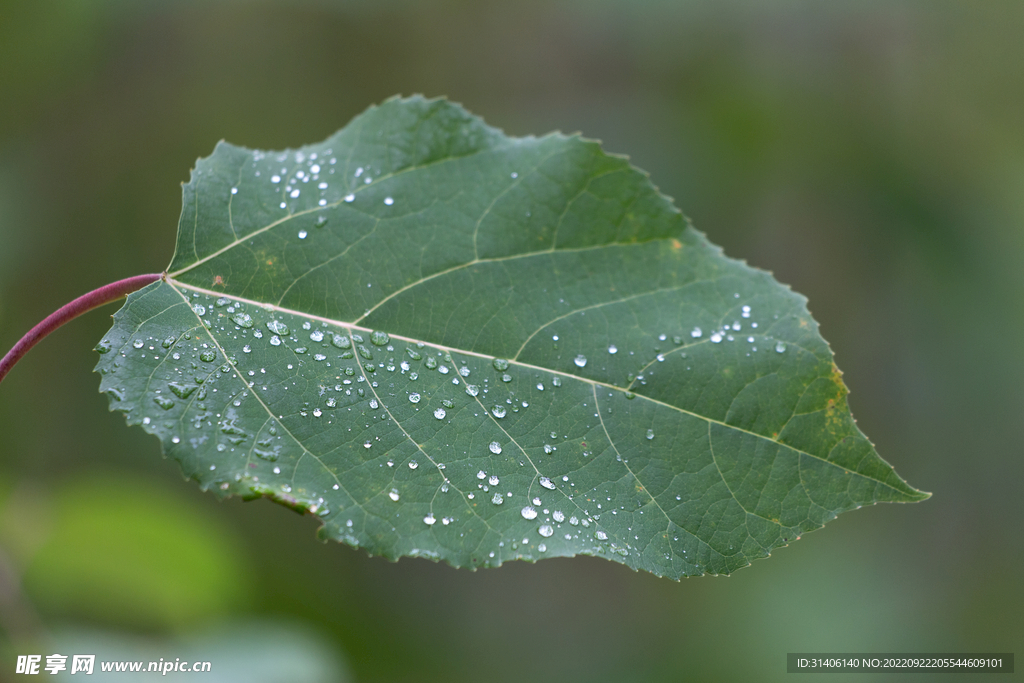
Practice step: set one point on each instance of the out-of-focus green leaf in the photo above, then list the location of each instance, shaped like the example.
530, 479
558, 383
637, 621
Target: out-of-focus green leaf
449, 343
122, 551
255, 652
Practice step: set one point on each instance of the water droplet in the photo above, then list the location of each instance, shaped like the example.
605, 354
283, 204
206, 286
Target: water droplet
545, 530
414, 398
528, 512
495, 447
163, 402
413, 464
277, 327
341, 341
498, 411
368, 444
556, 381
379, 338
506, 378
472, 389
439, 413
500, 364
275, 179
497, 499
207, 355
542, 547
547, 483
558, 516
696, 332
350, 198
601, 536
180, 390
464, 371
388, 200
430, 363
780, 347
481, 475
580, 360
104, 346
294, 193
574, 521
716, 338
138, 343
321, 221
650, 434
275, 340
302, 234
317, 412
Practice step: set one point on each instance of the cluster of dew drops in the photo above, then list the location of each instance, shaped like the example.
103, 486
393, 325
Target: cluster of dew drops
294, 176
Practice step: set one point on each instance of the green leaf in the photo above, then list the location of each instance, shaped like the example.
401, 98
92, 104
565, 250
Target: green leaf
449, 343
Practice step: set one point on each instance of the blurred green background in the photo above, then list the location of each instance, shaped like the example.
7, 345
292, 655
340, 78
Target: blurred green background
870, 154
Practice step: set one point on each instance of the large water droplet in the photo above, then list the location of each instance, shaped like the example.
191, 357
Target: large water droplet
277, 327
547, 483
495, 447
439, 413
414, 398
472, 389
558, 516
498, 411
497, 499
780, 347
208, 355
379, 338
601, 536
696, 332
528, 512
545, 530
413, 464
341, 341
181, 390
650, 434
500, 364
580, 360
393, 495
613, 349
163, 402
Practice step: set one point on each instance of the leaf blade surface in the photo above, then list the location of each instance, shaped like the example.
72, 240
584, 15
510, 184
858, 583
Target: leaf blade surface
449, 343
